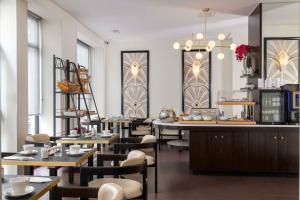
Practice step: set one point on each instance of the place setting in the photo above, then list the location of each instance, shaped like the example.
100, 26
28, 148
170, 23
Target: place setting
76, 150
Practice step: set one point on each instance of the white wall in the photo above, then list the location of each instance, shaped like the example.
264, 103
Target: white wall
60, 32
13, 61
165, 74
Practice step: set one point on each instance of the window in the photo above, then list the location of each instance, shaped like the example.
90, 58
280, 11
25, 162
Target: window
34, 71
83, 59
83, 54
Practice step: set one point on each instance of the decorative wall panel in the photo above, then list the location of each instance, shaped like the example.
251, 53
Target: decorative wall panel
195, 80
135, 83
281, 58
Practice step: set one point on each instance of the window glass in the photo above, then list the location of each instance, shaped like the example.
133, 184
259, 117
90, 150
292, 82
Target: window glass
83, 54
34, 85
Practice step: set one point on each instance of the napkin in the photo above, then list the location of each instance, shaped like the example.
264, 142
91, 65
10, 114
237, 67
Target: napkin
17, 158
39, 179
69, 138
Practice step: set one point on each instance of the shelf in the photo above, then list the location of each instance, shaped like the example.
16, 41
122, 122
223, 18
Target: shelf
233, 103
248, 89
247, 76
67, 117
61, 92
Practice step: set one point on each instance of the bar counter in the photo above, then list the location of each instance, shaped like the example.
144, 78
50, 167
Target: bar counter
241, 148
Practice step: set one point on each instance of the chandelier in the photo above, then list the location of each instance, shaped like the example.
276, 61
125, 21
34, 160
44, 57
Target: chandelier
200, 41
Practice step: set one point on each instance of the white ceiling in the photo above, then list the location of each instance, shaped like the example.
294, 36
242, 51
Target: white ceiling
156, 18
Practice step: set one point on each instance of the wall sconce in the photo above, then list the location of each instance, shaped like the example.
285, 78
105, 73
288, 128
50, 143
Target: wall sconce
283, 60
135, 68
196, 68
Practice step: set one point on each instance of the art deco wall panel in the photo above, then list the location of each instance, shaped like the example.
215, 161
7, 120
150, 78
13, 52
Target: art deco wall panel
196, 80
282, 59
135, 83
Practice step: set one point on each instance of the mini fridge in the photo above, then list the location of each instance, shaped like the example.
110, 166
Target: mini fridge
273, 106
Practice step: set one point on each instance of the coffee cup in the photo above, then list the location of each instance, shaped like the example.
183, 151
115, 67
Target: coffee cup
44, 153
28, 148
18, 184
73, 132
106, 132
74, 149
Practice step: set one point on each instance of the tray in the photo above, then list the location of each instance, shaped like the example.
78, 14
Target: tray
197, 122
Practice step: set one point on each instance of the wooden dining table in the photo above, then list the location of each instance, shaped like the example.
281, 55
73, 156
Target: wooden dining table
52, 162
40, 188
98, 140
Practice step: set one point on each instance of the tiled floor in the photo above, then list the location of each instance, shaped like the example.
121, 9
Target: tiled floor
176, 182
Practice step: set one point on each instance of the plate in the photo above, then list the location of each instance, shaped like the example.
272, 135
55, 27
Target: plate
29, 189
106, 135
36, 179
26, 153
75, 154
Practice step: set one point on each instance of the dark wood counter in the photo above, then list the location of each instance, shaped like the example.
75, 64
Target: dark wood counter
255, 149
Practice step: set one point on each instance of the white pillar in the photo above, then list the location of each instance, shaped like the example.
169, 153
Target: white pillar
13, 70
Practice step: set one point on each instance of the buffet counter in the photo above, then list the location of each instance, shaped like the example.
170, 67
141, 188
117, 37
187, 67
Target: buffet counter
241, 148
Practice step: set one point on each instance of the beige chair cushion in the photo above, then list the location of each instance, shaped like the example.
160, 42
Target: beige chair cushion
149, 120
131, 188
150, 160
140, 133
169, 132
38, 138
111, 191
143, 128
134, 157
148, 139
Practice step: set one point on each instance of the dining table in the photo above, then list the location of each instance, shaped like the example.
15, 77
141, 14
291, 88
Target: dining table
96, 139
53, 162
40, 187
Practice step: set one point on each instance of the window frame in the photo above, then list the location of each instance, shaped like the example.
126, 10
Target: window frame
80, 42
39, 50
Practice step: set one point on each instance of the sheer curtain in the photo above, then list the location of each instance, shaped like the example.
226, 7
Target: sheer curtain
34, 95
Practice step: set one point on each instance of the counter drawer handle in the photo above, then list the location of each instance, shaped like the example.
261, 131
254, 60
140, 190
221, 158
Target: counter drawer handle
216, 136
222, 136
282, 138
275, 137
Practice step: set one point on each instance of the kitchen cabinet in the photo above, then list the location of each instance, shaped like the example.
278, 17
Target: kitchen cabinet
258, 150
288, 146
263, 149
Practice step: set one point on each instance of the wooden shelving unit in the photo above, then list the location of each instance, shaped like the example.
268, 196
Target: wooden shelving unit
62, 101
233, 103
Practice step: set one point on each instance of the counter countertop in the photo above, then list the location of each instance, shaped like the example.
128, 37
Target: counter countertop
176, 124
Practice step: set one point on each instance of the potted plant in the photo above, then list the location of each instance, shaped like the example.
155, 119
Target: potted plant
245, 53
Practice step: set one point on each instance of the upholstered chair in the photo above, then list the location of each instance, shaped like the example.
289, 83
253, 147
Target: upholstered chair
167, 133
133, 163
111, 191
141, 127
147, 144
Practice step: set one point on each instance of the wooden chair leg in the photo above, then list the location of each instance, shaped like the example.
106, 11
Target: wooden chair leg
71, 175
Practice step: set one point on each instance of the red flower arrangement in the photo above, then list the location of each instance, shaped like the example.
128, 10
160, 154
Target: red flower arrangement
241, 51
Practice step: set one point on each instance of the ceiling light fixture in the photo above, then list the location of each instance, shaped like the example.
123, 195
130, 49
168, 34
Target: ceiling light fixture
210, 45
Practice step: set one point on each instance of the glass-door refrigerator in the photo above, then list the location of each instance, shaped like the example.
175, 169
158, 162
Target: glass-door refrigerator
273, 106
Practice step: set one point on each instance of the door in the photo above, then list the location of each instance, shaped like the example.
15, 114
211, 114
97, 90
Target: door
263, 149
288, 150
199, 150
220, 150
240, 149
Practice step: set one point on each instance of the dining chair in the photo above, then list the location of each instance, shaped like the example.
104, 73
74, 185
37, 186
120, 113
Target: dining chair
141, 127
133, 163
39, 140
167, 133
108, 191
147, 144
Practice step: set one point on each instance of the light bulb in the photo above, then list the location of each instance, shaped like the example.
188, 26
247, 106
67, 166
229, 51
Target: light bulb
211, 44
187, 48
189, 43
221, 36
199, 55
176, 45
199, 36
208, 49
220, 56
233, 47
